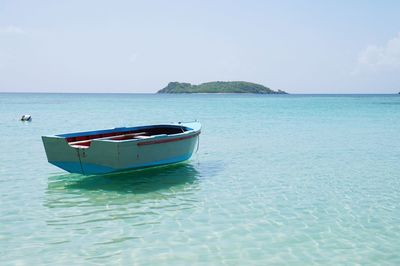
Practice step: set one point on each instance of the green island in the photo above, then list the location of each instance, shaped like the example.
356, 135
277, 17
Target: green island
219, 87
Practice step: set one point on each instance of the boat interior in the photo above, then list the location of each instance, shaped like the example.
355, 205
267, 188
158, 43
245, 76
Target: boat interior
84, 141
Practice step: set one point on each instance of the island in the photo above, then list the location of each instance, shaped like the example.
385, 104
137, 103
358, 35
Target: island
219, 87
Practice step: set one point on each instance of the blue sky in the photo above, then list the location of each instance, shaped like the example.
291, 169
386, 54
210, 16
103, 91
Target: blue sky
139, 46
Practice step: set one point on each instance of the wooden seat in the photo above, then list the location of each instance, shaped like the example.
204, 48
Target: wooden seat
142, 137
86, 143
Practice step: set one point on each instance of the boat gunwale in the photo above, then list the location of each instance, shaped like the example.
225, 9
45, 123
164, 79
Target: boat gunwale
160, 137
116, 129
152, 139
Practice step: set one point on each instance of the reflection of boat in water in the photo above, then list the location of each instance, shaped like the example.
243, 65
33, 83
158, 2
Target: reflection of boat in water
121, 149
152, 183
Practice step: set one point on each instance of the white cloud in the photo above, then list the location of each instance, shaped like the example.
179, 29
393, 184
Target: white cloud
10, 29
376, 58
133, 58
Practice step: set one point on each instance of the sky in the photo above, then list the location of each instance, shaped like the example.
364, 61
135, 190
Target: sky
139, 46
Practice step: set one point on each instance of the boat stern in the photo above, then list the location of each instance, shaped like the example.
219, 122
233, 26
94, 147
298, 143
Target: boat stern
61, 154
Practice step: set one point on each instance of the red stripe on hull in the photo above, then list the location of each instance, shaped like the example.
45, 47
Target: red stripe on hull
167, 140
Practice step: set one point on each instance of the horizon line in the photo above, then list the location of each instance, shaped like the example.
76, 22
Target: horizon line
288, 93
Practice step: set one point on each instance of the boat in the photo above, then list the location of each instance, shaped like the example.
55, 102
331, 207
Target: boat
122, 149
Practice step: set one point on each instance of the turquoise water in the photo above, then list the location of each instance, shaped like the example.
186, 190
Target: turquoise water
286, 179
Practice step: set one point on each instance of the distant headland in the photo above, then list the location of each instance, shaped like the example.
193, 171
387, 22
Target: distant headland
219, 87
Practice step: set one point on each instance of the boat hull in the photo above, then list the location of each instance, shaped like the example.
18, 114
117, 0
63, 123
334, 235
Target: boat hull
108, 156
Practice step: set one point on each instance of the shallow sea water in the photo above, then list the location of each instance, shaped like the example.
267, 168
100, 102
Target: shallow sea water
284, 179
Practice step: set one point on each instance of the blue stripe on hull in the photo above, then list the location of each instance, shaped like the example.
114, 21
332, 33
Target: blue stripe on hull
75, 167
72, 167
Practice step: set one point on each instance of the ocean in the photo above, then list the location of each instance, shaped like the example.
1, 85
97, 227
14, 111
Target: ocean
278, 179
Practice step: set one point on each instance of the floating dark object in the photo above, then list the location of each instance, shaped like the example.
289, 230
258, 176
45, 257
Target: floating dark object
26, 118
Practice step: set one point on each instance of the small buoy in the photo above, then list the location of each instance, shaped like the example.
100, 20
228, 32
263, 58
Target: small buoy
26, 118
